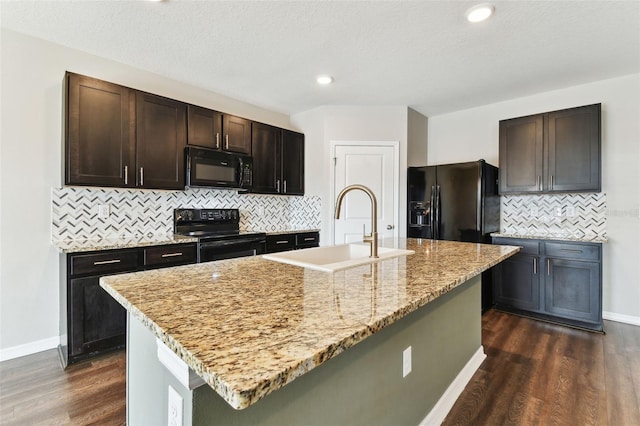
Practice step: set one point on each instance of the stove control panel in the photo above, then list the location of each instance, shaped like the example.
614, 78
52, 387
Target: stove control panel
206, 215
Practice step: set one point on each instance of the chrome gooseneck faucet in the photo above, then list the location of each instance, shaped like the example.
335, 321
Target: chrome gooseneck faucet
372, 239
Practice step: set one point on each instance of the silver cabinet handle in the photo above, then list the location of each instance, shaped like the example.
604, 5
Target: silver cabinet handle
107, 262
277, 185
282, 242
141, 176
126, 175
217, 140
390, 227
310, 239
226, 142
172, 254
535, 266
551, 184
539, 182
571, 250
548, 267
284, 185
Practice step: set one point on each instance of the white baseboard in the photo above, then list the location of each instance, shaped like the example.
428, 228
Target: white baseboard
439, 411
29, 348
627, 319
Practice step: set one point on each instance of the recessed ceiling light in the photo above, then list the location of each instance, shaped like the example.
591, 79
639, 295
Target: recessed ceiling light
324, 79
479, 12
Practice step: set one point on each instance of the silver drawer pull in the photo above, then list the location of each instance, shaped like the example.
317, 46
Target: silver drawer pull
571, 250
172, 254
535, 266
107, 262
282, 242
310, 239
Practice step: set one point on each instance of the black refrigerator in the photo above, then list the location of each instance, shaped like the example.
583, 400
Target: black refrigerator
456, 202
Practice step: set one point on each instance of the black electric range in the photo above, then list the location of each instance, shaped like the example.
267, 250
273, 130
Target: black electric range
218, 233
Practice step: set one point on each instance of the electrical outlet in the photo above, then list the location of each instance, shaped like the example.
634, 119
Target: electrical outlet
103, 211
533, 212
558, 211
260, 211
406, 362
175, 408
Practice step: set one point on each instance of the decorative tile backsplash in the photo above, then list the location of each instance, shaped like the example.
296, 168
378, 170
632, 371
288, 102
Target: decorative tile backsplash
136, 212
557, 215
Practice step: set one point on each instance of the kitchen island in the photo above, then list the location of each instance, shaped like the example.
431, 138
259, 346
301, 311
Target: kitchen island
248, 327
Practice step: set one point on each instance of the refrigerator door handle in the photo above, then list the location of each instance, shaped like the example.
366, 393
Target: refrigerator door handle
437, 219
432, 213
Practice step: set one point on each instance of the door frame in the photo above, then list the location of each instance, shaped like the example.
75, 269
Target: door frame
332, 178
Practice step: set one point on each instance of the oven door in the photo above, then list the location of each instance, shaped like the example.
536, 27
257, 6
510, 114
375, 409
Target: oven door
229, 249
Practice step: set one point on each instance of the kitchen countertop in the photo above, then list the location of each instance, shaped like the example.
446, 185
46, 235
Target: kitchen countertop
249, 326
555, 237
77, 246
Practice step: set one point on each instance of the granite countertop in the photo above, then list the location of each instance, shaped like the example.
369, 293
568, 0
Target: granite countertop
287, 231
76, 246
555, 237
249, 326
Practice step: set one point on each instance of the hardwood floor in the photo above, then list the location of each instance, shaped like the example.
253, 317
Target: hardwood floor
543, 374
535, 374
34, 390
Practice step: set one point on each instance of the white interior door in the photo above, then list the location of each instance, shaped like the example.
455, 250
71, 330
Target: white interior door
374, 165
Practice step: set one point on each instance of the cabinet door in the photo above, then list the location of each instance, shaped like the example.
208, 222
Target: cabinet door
161, 138
204, 127
520, 146
96, 320
573, 149
517, 282
292, 163
572, 289
266, 146
237, 134
99, 133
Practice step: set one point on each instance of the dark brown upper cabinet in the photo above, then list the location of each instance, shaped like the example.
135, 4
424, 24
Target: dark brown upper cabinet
558, 151
292, 163
237, 134
266, 146
215, 130
278, 160
99, 132
120, 137
161, 138
205, 127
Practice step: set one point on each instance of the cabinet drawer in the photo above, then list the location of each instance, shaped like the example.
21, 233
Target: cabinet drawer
573, 251
180, 254
528, 246
283, 242
104, 263
308, 239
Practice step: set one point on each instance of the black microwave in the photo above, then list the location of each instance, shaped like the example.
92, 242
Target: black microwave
207, 168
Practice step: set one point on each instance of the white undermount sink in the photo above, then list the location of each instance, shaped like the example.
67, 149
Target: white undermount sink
335, 258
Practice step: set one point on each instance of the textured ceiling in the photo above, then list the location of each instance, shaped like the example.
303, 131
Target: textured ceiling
423, 54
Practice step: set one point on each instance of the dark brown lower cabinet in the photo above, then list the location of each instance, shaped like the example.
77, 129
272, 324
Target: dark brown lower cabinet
292, 241
97, 321
92, 321
552, 280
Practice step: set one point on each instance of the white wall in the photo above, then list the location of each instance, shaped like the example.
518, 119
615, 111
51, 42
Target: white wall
417, 139
349, 123
472, 134
30, 165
